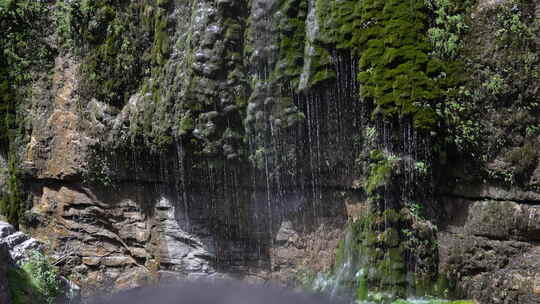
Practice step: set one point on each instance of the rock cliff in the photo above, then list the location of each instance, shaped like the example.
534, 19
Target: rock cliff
185, 139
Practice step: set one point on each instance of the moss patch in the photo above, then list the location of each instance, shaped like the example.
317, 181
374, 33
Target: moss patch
119, 42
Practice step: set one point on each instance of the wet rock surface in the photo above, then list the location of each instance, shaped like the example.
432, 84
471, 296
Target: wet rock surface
134, 236
491, 249
120, 221
19, 245
124, 220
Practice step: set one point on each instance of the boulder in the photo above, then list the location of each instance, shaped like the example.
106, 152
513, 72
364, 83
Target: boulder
19, 245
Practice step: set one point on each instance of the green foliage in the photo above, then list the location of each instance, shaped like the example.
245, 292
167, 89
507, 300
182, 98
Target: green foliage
416, 209
362, 289
450, 26
492, 114
35, 282
8, 116
513, 25
23, 51
11, 202
120, 41
20, 288
380, 170
421, 167
43, 277
24, 26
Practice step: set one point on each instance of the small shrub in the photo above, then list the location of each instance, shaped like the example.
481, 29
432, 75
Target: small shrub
19, 286
523, 158
380, 170
35, 282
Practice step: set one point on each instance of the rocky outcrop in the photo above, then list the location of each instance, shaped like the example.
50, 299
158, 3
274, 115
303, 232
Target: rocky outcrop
57, 147
99, 242
112, 237
19, 244
296, 250
491, 249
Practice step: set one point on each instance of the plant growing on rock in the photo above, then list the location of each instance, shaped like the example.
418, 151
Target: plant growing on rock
43, 276
380, 170
35, 282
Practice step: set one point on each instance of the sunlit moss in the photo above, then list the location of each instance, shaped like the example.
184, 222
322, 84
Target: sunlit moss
292, 38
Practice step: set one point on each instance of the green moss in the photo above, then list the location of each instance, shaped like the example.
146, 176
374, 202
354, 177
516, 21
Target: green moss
8, 114
380, 171
292, 39
396, 72
340, 252
391, 271
26, 52
339, 22
186, 123
391, 216
394, 60
160, 49
391, 238
119, 41
362, 289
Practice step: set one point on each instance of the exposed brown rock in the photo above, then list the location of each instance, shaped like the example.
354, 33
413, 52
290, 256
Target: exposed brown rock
57, 147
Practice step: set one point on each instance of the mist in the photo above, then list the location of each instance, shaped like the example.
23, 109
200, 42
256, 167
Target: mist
223, 292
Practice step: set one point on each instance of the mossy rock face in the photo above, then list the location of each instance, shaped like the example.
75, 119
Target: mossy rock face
390, 237
26, 52
380, 171
12, 204
392, 216
112, 38
396, 72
